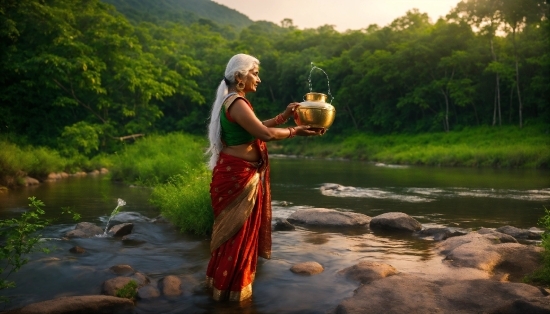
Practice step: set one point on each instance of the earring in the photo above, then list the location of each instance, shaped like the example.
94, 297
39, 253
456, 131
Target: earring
240, 85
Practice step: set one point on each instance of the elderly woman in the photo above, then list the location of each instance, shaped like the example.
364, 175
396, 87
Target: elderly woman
240, 190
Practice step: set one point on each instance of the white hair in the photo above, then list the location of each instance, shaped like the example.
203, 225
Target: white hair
238, 64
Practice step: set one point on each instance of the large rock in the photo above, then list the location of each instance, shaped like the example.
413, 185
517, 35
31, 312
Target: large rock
403, 293
121, 230
170, 286
395, 221
122, 270
365, 271
487, 252
84, 230
30, 181
79, 304
307, 268
328, 218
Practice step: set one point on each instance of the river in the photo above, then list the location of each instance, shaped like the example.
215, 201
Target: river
467, 198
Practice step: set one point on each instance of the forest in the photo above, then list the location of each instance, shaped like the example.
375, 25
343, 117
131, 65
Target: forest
80, 77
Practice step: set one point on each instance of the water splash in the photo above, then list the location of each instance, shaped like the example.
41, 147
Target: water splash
120, 203
313, 67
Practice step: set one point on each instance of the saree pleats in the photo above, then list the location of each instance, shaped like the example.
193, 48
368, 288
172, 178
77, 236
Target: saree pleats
239, 197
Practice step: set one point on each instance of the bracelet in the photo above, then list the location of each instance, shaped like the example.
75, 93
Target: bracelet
279, 119
291, 132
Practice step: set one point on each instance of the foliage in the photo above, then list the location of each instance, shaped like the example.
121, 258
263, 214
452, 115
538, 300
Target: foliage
19, 237
129, 291
79, 76
542, 275
185, 201
154, 159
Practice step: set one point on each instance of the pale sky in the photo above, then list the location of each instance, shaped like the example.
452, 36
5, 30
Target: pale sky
344, 14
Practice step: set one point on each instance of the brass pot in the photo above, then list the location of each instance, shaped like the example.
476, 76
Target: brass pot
314, 111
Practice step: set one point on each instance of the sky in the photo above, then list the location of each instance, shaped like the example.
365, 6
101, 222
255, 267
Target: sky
343, 14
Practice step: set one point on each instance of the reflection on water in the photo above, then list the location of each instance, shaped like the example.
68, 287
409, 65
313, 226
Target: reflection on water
466, 198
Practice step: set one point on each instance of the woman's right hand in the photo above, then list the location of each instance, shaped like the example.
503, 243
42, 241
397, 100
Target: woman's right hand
306, 130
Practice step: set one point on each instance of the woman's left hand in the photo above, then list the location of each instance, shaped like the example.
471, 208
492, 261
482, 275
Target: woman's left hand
289, 111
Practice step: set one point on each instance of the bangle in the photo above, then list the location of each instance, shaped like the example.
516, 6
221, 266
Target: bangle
291, 132
279, 119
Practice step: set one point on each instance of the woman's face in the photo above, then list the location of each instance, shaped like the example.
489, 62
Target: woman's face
252, 80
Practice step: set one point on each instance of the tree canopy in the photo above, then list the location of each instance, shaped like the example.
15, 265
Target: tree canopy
78, 75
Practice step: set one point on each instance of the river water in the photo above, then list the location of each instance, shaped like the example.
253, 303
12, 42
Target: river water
457, 197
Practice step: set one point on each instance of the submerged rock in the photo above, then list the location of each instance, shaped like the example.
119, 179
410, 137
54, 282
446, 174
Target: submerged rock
307, 268
395, 221
77, 250
365, 271
170, 286
440, 234
328, 218
283, 225
148, 292
122, 269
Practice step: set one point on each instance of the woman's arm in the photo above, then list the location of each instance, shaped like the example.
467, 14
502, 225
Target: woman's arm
245, 117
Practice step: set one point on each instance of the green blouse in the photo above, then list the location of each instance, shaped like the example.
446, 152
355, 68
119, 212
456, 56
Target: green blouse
232, 133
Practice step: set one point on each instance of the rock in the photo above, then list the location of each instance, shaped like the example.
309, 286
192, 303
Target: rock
486, 252
170, 286
141, 279
123, 270
395, 221
440, 234
365, 272
121, 229
148, 292
498, 236
77, 250
53, 177
307, 268
79, 304
63, 175
328, 218
521, 234
93, 172
111, 286
30, 181
133, 239
160, 219
104, 170
283, 225
84, 230
125, 217
403, 293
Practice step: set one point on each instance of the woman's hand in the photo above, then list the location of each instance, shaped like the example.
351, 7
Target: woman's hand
306, 130
289, 111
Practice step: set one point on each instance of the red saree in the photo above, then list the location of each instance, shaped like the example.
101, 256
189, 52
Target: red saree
241, 200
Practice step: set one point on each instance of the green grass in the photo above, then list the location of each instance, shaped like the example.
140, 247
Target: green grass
154, 159
542, 275
174, 165
507, 147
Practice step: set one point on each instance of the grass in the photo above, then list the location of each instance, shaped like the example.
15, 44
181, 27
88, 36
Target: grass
153, 160
542, 275
174, 165
507, 147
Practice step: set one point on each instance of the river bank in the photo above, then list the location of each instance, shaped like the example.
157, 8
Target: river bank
480, 147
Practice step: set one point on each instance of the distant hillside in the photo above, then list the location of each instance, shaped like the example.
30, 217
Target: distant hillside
180, 11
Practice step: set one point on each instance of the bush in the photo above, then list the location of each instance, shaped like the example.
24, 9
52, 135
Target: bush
185, 201
542, 275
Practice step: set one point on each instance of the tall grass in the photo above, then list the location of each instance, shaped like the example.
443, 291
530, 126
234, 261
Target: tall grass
33, 161
508, 147
174, 166
154, 159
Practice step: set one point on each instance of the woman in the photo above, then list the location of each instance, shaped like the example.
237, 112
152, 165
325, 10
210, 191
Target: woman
240, 190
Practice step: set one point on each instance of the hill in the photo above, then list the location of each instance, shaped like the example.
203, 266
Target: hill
180, 11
